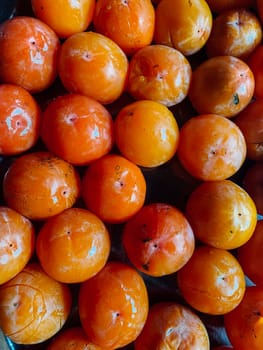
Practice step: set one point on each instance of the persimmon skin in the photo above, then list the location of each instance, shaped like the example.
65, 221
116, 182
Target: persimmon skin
222, 85
219, 6
17, 243
188, 34
253, 184
254, 62
173, 325
77, 128
77, 15
244, 324
39, 185
117, 307
158, 240
36, 45
34, 307
212, 281
129, 24
218, 146
222, 214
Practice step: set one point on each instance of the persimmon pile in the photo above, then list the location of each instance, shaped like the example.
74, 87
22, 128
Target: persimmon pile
131, 169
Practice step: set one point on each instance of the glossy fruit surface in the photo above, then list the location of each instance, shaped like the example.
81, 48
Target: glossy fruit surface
211, 147
17, 238
77, 128
212, 281
117, 307
172, 326
39, 185
147, 133
34, 307
36, 45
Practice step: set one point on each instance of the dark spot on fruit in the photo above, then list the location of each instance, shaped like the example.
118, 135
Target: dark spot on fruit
146, 266
236, 99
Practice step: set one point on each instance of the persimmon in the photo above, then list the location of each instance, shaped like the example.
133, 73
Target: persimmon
250, 255
235, 32
73, 245
36, 45
158, 240
93, 65
211, 147
244, 326
159, 73
254, 62
212, 281
146, 132
77, 128
113, 188
34, 307
39, 185
17, 243
116, 308
222, 214
219, 6
19, 119
253, 184
188, 34
130, 24
77, 15
221, 85
172, 325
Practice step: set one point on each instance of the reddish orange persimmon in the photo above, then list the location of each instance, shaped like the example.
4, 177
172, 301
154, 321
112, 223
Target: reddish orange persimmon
250, 122
250, 255
73, 245
222, 85
159, 73
212, 281
72, 339
19, 119
253, 184
222, 214
17, 238
158, 240
147, 133
219, 6
174, 326
129, 23
76, 16
244, 326
254, 61
211, 147
77, 128
36, 45
235, 32
33, 306
93, 65
187, 34
39, 185
113, 305
113, 188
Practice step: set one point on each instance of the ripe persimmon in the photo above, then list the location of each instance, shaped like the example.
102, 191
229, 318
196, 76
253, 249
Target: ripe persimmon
187, 33
34, 307
39, 185
254, 62
146, 132
212, 281
19, 119
29, 53
93, 65
159, 73
222, 214
158, 240
76, 17
211, 147
253, 184
244, 326
77, 128
73, 245
171, 325
130, 24
113, 305
17, 243
113, 188
221, 85
235, 32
